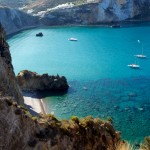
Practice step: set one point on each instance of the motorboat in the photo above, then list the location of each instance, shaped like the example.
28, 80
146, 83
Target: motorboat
140, 56
115, 26
73, 39
39, 34
134, 66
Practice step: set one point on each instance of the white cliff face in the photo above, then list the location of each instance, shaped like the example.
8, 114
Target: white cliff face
97, 12
119, 10
115, 10
14, 20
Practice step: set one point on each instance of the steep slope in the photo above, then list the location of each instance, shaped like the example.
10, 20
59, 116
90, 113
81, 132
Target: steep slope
104, 11
8, 85
19, 130
56, 12
15, 3
14, 20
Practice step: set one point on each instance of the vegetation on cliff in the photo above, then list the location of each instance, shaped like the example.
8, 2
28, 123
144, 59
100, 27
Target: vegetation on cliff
46, 131
146, 144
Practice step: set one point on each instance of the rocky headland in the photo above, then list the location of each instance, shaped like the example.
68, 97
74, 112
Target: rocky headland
20, 130
28, 80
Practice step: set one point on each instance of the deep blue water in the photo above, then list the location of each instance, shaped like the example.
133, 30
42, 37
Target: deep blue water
97, 61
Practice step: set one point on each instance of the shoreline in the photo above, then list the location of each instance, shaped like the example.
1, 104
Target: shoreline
125, 23
9, 35
34, 103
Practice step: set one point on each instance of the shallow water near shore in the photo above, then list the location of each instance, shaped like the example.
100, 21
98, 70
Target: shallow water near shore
101, 84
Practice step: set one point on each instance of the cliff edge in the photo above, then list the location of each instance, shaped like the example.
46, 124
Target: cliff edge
8, 84
20, 130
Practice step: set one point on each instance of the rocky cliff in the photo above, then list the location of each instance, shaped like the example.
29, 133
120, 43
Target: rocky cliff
89, 11
15, 3
28, 80
20, 130
14, 20
8, 84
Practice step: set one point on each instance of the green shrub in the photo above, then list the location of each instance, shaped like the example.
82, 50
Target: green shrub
23, 108
75, 119
51, 117
110, 119
87, 121
34, 118
98, 121
146, 144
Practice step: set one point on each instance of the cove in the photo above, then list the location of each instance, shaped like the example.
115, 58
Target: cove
101, 84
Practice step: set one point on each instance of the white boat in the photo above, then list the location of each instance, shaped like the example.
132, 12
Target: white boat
73, 39
135, 66
140, 55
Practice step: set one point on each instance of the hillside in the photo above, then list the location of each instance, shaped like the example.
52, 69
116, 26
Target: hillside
71, 12
14, 20
15, 3
56, 12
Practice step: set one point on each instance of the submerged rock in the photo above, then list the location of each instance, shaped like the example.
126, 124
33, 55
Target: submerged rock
132, 94
32, 81
140, 109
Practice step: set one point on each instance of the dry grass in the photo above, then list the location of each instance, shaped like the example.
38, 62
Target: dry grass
124, 146
146, 144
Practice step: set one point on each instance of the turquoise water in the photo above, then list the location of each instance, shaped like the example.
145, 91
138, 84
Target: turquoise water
101, 84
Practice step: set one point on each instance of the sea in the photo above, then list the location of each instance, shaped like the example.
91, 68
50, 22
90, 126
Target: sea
96, 67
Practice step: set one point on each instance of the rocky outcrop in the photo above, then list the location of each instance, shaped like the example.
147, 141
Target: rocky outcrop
8, 84
14, 20
32, 81
20, 130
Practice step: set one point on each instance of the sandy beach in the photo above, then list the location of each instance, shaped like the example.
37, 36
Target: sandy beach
34, 103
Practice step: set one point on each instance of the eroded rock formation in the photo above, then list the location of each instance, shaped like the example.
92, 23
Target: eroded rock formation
8, 82
28, 80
